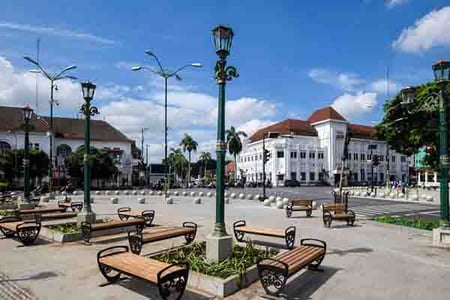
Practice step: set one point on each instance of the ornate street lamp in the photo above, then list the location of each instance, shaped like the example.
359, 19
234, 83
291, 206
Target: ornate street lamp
53, 78
437, 101
27, 115
162, 72
219, 242
88, 90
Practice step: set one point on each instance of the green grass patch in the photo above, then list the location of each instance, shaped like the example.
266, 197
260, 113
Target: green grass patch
195, 255
66, 228
7, 213
416, 223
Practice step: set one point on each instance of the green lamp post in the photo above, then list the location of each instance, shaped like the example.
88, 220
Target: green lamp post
438, 101
88, 90
27, 114
219, 243
223, 37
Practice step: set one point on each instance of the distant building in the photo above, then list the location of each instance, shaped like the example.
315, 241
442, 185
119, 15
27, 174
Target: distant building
311, 150
68, 136
425, 175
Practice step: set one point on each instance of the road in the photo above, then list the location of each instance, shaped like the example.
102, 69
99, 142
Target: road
365, 208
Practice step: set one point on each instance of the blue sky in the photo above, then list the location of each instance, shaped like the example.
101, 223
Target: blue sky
292, 56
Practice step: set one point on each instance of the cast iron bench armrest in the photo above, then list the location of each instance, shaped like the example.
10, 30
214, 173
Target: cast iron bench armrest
316, 243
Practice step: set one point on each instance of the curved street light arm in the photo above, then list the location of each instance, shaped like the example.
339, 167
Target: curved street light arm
162, 74
157, 60
57, 77
175, 73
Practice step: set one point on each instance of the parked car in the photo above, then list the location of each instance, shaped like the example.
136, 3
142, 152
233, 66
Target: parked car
291, 183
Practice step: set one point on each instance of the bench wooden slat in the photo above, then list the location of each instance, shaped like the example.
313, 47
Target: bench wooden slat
261, 231
135, 213
166, 234
40, 210
136, 265
11, 225
59, 215
116, 223
299, 257
286, 256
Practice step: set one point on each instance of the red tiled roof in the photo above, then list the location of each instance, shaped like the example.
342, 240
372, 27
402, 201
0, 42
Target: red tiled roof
361, 131
11, 119
289, 126
326, 113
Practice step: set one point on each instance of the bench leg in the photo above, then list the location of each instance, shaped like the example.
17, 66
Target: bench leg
327, 219
273, 275
110, 274
86, 232
135, 242
7, 233
190, 236
315, 265
309, 213
288, 211
172, 284
28, 235
290, 237
351, 220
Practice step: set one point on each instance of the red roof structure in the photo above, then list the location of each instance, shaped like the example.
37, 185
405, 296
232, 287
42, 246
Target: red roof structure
305, 128
326, 113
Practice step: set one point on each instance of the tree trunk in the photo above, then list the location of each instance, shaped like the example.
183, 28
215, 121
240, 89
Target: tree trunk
235, 168
189, 170
204, 171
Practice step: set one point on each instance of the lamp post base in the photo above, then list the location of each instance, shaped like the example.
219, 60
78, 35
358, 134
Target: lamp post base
84, 216
218, 248
441, 237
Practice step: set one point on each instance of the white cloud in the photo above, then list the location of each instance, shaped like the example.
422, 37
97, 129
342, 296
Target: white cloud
250, 127
344, 81
430, 31
18, 88
57, 32
352, 105
380, 86
392, 3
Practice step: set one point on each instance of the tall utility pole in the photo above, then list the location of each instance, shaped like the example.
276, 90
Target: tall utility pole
344, 159
162, 72
53, 87
142, 149
146, 164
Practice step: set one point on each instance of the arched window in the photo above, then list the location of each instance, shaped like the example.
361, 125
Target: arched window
4, 147
63, 150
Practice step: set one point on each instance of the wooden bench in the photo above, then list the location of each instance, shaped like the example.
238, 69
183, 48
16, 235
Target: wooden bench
88, 228
26, 230
170, 279
188, 230
273, 273
39, 210
73, 205
240, 228
61, 215
337, 212
299, 205
125, 213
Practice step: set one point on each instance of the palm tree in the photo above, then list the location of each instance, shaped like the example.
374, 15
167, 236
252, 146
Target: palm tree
189, 145
234, 144
205, 157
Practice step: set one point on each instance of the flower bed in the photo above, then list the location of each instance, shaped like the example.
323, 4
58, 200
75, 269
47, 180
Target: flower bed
221, 279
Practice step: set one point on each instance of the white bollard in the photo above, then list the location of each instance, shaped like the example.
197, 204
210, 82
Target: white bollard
249, 197
314, 205
200, 194
227, 201
107, 193
280, 204
175, 193
141, 200
241, 196
429, 198
160, 193
63, 193
415, 198
135, 193
143, 193
233, 195
198, 201
225, 194
45, 199
278, 198
117, 193
98, 193
74, 193
185, 193
209, 194
272, 198
126, 193
372, 194
151, 193
285, 201
114, 200
257, 197
267, 202
192, 194
169, 201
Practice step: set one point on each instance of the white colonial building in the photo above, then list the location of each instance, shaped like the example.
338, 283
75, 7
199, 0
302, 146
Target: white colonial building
310, 151
68, 136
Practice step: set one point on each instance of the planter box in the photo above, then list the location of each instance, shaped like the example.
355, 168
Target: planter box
59, 237
222, 287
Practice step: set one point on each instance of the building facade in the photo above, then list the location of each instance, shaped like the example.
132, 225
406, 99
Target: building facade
310, 151
68, 136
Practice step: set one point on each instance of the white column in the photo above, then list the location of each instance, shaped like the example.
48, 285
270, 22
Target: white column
435, 178
426, 177
419, 181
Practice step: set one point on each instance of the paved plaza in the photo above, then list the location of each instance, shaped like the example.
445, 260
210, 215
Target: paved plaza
367, 261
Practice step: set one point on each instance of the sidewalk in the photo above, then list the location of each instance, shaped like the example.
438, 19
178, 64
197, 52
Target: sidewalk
368, 261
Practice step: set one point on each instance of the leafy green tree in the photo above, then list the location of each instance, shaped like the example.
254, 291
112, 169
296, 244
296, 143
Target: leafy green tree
11, 164
103, 166
189, 145
205, 157
234, 144
409, 127
177, 161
